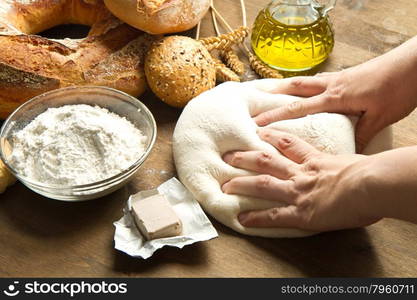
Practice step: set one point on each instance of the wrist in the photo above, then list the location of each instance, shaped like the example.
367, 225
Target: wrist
371, 181
390, 182
359, 181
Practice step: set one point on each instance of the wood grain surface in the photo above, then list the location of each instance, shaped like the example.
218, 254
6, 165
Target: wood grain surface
43, 237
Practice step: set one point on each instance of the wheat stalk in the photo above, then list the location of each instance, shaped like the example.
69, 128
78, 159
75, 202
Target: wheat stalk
257, 65
197, 32
262, 69
223, 73
232, 61
228, 56
225, 41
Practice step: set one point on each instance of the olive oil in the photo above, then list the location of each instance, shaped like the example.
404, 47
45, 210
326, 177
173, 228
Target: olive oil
292, 40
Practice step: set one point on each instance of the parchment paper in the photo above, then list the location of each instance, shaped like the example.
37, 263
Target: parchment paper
196, 226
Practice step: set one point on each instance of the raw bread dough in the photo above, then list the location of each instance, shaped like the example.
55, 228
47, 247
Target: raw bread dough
220, 120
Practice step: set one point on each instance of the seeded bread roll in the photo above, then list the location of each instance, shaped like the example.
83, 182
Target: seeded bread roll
179, 68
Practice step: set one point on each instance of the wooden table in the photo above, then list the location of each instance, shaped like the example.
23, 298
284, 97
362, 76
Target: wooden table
42, 237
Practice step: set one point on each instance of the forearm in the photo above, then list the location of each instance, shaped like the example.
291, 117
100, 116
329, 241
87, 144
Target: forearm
398, 71
403, 57
391, 183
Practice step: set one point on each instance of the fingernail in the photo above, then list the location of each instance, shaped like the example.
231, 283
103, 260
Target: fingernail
228, 157
242, 218
261, 132
224, 188
284, 142
259, 121
359, 148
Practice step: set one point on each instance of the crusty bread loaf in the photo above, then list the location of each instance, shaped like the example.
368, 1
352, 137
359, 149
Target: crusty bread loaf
31, 17
178, 68
112, 54
159, 16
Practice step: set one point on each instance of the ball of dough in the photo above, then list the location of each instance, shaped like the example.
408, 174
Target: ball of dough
220, 121
159, 16
179, 68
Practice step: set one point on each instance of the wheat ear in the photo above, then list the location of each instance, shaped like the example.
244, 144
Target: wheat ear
232, 61
262, 69
257, 65
225, 41
228, 56
223, 73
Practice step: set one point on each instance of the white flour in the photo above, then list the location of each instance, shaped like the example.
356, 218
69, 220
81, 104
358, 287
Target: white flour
76, 144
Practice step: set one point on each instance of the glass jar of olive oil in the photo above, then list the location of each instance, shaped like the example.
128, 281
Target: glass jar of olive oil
293, 35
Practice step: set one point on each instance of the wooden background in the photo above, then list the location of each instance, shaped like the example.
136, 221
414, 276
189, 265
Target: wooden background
42, 237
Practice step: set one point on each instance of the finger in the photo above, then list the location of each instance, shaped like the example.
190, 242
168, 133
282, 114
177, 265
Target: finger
261, 186
296, 110
304, 86
366, 129
324, 74
262, 162
297, 86
286, 217
289, 145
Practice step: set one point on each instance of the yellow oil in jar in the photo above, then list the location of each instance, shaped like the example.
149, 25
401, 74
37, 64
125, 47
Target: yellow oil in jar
291, 42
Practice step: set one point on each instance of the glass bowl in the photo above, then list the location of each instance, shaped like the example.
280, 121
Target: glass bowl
115, 101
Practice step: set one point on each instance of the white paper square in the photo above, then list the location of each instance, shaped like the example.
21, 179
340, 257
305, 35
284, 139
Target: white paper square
196, 226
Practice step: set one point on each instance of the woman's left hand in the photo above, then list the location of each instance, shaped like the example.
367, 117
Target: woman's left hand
322, 192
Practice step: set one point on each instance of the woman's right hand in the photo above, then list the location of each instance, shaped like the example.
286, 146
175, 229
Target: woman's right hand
381, 92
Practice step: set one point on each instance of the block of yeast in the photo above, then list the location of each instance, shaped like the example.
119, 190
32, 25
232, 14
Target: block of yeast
155, 217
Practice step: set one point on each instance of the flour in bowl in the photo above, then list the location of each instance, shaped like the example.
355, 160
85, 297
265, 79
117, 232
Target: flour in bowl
76, 144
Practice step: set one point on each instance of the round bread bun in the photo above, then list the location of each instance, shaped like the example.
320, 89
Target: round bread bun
179, 68
159, 16
112, 54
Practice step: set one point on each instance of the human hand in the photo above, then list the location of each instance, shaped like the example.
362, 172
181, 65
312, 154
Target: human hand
322, 192
381, 92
